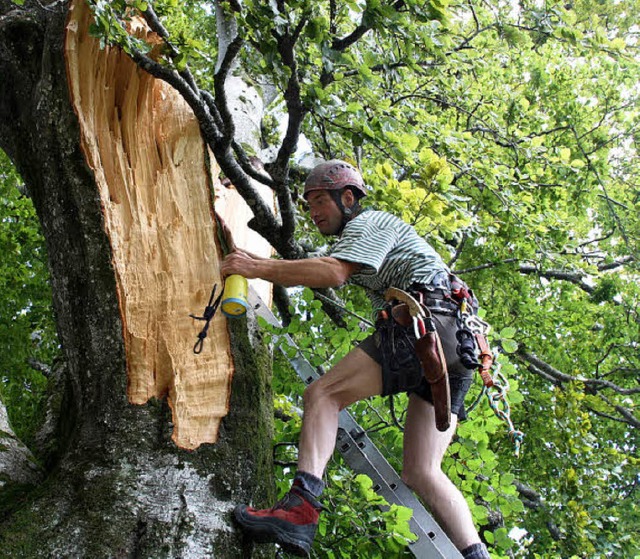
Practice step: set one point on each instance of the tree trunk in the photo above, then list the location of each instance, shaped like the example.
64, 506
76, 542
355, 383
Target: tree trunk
17, 464
117, 485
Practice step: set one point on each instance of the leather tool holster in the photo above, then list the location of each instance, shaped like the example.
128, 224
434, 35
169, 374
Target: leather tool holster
434, 367
429, 352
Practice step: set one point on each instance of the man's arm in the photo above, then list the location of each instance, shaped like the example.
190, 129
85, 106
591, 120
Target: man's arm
324, 271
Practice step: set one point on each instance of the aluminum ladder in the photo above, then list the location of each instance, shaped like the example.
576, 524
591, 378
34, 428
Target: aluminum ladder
363, 456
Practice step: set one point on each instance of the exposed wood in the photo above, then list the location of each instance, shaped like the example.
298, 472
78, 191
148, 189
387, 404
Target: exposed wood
144, 145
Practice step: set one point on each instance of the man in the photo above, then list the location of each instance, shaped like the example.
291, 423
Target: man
375, 250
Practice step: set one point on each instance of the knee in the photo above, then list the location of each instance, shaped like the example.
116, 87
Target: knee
317, 394
310, 394
422, 478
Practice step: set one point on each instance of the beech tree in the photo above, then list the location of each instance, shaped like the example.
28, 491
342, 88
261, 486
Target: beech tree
505, 132
106, 158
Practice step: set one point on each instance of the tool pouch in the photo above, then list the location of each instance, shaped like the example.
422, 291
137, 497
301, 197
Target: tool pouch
406, 360
401, 366
434, 365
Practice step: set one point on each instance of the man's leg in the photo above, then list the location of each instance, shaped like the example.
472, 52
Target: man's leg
354, 378
424, 448
292, 521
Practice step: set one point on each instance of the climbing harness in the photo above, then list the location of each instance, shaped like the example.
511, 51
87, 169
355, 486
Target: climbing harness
472, 341
473, 347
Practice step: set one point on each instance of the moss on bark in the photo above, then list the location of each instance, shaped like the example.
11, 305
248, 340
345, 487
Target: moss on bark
118, 487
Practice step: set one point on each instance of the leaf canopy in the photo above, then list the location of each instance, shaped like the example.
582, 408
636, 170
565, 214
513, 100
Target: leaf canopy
507, 133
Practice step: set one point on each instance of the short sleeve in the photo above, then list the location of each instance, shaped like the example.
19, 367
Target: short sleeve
365, 242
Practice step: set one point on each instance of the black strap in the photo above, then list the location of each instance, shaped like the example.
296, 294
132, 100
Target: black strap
436, 300
209, 312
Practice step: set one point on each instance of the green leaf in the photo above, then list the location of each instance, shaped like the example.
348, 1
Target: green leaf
180, 62
509, 346
508, 332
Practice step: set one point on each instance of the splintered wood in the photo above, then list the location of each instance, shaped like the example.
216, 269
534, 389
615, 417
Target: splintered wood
144, 146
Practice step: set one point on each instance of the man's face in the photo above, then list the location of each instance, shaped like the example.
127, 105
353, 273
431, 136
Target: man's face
324, 212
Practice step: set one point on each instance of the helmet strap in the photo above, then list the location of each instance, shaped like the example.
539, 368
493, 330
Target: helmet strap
347, 213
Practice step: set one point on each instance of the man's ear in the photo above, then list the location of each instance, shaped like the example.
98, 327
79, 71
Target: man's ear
348, 198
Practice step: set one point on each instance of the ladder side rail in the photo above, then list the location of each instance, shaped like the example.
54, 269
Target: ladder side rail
363, 456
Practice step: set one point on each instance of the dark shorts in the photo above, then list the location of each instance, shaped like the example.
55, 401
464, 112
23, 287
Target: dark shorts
410, 379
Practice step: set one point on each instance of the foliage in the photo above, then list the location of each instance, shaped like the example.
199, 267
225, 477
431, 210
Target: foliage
28, 342
502, 137
508, 134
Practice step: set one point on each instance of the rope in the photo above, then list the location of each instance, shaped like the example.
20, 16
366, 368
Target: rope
214, 303
477, 400
338, 305
207, 316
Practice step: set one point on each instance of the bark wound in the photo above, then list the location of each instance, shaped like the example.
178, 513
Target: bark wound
144, 145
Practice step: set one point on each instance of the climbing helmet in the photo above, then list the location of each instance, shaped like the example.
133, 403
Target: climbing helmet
334, 175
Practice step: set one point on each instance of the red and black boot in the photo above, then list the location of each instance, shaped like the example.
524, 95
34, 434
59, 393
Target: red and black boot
291, 523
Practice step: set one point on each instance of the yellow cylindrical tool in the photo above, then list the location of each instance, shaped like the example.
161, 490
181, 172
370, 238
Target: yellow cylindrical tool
234, 299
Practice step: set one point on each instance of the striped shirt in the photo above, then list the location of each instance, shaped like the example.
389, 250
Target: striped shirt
392, 254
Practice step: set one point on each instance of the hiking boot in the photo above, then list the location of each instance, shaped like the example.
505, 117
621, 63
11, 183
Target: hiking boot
291, 523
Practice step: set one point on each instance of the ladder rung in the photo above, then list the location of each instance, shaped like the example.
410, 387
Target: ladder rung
363, 456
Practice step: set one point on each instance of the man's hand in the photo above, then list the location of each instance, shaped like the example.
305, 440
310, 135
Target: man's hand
226, 233
240, 262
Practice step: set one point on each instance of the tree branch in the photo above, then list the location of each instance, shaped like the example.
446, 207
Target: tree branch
252, 166
359, 32
594, 386
218, 129
155, 25
616, 263
39, 366
296, 113
219, 85
614, 214
208, 124
533, 500
479, 30
626, 413
486, 266
576, 278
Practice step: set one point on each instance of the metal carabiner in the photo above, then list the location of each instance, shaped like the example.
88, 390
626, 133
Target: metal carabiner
416, 310
475, 324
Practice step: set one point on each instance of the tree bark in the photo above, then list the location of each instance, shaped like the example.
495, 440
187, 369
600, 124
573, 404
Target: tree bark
17, 464
116, 485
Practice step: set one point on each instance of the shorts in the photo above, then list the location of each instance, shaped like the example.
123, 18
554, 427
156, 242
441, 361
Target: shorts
409, 378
